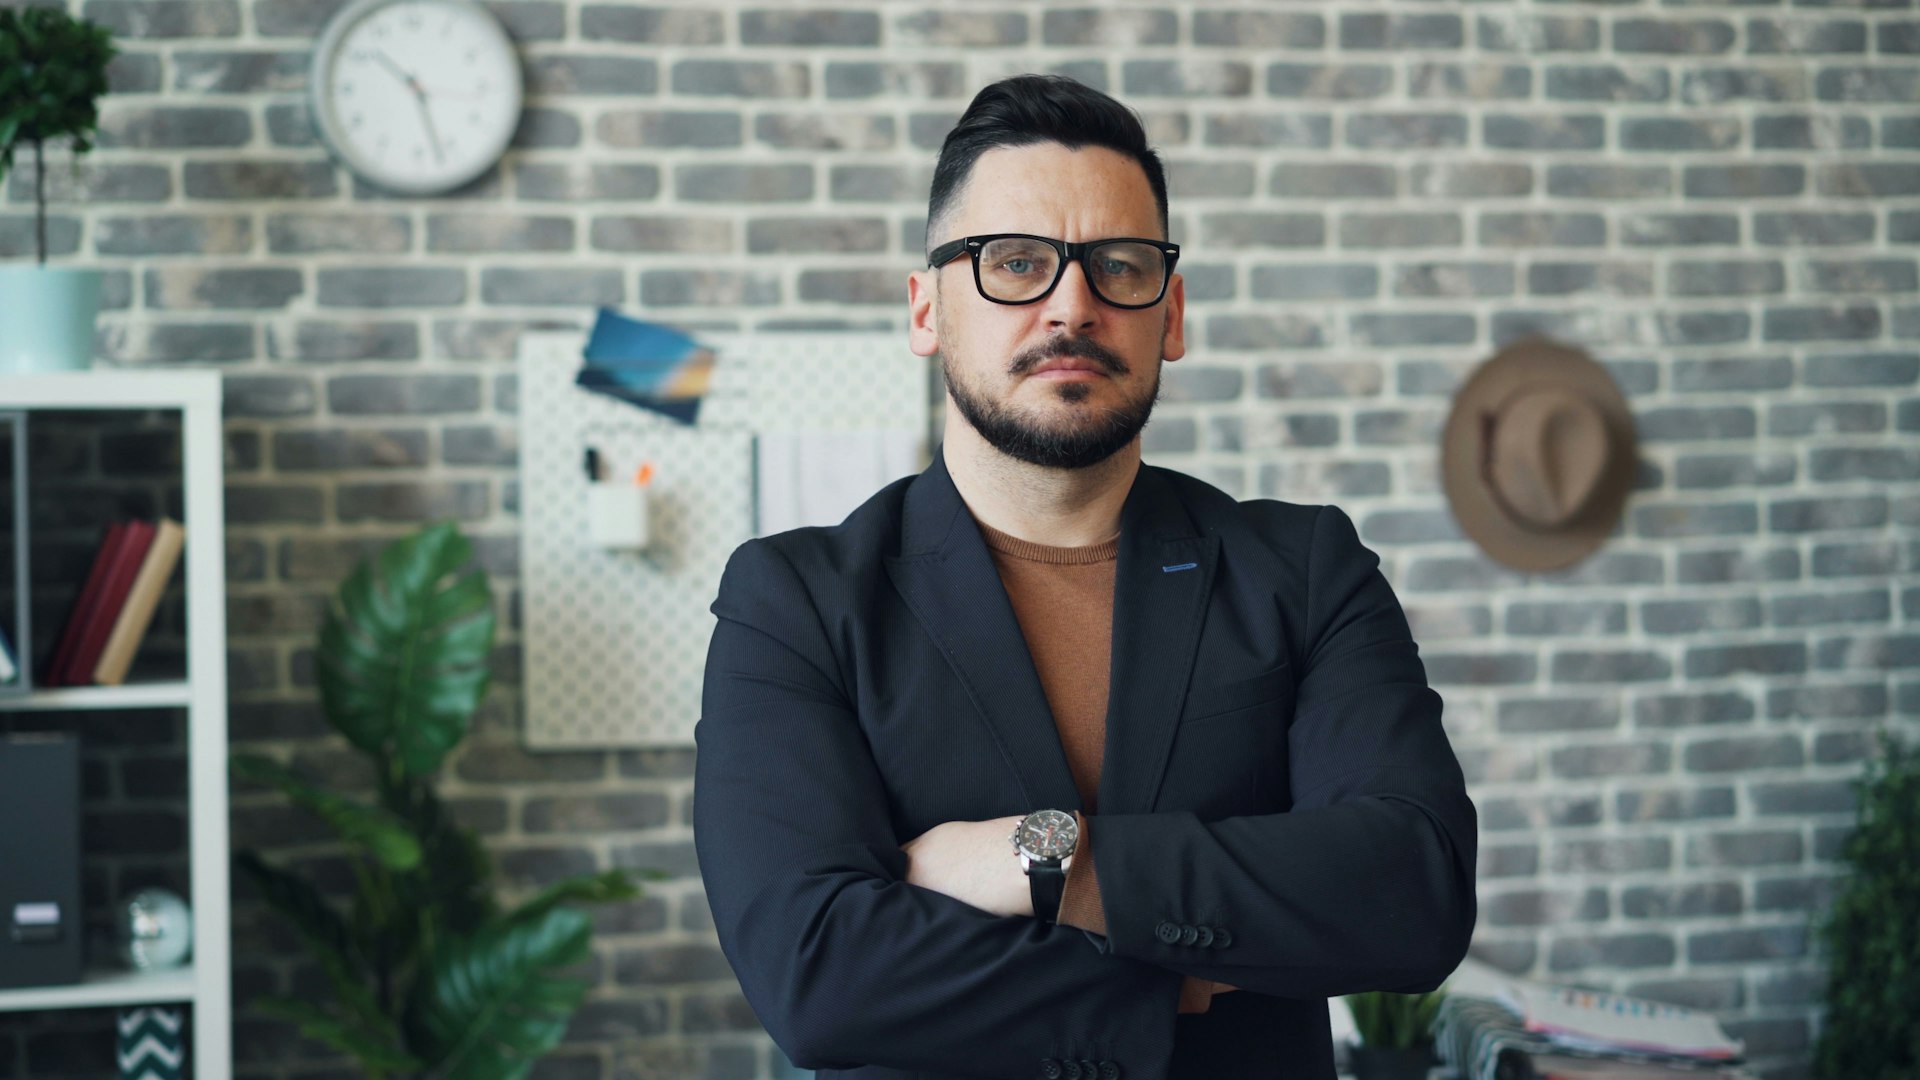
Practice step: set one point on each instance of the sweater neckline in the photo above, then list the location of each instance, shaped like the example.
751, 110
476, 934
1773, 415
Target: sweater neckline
1006, 544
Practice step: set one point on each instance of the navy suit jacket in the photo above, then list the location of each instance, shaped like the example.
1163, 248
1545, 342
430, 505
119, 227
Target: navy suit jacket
1279, 807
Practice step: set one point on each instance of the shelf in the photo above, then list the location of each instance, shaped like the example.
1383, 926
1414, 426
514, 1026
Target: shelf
146, 695
207, 985
105, 988
115, 388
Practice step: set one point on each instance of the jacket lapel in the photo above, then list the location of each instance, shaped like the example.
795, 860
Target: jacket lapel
1163, 577
947, 577
1161, 584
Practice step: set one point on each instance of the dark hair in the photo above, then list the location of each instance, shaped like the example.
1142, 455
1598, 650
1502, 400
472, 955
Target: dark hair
1026, 109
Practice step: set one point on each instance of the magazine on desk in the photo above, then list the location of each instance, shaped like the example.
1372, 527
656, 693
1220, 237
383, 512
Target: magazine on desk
1496, 1026
1567, 1067
1595, 1021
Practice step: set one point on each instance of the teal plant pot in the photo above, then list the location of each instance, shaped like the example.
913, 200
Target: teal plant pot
47, 318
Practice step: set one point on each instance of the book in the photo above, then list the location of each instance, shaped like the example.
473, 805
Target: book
121, 568
70, 633
130, 629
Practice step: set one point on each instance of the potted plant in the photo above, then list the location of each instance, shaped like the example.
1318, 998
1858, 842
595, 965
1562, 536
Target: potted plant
1396, 1034
429, 974
53, 70
1871, 935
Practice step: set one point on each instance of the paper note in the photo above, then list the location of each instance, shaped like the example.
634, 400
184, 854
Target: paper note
819, 477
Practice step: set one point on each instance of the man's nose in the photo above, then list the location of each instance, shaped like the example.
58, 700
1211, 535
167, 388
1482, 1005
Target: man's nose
1071, 303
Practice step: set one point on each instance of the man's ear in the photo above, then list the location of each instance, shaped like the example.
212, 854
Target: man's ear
1173, 342
923, 311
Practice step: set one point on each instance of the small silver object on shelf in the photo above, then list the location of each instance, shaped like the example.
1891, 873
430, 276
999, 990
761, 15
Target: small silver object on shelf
154, 930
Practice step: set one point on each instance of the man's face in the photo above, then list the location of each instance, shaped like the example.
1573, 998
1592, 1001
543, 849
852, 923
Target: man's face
999, 359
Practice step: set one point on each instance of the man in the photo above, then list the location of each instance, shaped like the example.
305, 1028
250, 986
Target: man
1040, 650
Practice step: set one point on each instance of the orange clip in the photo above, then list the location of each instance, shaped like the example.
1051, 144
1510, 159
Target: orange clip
643, 475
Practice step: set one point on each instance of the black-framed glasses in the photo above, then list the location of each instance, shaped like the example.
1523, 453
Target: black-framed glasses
1020, 268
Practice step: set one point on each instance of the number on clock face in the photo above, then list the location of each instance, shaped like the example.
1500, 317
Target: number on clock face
419, 95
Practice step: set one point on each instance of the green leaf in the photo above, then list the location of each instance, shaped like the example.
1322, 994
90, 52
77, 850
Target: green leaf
604, 887
1872, 998
455, 877
383, 923
384, 835
378, 1050
8, 125
490, 1005
402, 661
322, 930
313, 918
55, 69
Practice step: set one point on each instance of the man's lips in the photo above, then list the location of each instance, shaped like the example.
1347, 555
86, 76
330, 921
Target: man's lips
1068, 368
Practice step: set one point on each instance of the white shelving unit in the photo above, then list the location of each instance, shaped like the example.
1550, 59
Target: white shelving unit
206, 983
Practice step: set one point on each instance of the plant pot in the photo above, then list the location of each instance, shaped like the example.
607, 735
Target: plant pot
47, 318
1389, 1062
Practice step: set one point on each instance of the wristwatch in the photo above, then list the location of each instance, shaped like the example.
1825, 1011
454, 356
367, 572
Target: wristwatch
1043, 840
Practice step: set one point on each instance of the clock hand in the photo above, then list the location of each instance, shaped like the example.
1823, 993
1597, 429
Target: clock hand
426, 115
381, 55
419, 99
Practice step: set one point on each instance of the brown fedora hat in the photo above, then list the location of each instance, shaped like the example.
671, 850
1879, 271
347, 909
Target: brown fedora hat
1538, 455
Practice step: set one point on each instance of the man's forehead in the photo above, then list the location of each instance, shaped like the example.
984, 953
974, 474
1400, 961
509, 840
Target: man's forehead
1049, 189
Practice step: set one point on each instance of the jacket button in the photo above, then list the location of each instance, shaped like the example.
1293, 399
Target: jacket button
1109, 1070
1073, 1070
1189, 934
1050, 1069
1167, 932
1206, 937
1222, 937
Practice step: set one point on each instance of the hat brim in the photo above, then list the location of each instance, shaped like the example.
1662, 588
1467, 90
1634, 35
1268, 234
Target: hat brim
1507, 540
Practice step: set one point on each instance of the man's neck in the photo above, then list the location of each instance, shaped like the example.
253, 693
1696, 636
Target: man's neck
1056, 507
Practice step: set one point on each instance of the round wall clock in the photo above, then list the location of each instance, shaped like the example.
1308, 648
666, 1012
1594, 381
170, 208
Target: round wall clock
416, 96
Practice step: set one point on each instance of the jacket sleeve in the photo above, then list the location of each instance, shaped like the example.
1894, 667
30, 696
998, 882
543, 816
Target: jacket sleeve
1367, 882
842, 960
1080, 906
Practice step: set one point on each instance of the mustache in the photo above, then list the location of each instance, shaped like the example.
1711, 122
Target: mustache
1078, 348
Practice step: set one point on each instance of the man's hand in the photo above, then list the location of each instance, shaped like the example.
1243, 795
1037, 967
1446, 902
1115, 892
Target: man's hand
972, 862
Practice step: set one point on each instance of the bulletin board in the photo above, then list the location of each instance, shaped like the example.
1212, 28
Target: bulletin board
614, 642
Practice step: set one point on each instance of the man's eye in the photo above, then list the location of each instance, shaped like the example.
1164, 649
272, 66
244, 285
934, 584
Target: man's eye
1018, 266
1115, 267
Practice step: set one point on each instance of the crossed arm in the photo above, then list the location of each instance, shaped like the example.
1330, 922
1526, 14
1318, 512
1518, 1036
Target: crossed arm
972, 862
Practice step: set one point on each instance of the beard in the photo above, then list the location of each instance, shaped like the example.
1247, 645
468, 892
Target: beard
1087, 436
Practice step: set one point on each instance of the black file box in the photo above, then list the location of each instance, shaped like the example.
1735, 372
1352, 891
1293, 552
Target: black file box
40, 917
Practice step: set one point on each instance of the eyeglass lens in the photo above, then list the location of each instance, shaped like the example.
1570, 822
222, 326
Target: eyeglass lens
1122, 271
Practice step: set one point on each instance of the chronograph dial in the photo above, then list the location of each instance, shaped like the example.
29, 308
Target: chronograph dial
418, 97
1044, 840
1046, 834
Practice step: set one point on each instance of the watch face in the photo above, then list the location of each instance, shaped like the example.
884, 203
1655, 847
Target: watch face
1049, 834
417, 96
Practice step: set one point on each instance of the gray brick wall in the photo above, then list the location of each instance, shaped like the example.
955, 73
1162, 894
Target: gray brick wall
1719, 200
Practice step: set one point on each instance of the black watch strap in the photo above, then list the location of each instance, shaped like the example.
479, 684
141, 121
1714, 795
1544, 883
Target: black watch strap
1048, 881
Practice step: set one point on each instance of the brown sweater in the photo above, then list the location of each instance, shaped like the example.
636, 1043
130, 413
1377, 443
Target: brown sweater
1063, 598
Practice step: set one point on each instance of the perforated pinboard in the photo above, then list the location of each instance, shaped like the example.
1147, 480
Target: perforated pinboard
614, 642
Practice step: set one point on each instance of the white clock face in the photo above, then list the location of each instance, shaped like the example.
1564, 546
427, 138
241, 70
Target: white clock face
417, 96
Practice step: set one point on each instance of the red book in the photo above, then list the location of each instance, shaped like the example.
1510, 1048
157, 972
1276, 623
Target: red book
121, 570
70, 634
